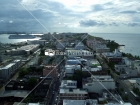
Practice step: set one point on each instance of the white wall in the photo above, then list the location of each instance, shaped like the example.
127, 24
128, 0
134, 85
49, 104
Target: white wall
97, 87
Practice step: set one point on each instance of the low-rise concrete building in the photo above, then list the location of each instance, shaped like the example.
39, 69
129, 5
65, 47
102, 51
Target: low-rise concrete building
73, 94
50, 70
96, 84
102, 50
24, 50
126, 71
116, 56
136, 65
137, 84
79, 46
68, 84
69, 69
40, 42
80, 102
8, 70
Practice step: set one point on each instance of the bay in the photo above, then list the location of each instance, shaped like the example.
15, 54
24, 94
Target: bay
4, 39
131, 41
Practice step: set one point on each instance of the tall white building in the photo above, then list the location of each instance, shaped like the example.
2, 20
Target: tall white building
96, 84
8, 70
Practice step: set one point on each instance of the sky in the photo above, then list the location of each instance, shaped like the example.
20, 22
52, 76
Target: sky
90, 16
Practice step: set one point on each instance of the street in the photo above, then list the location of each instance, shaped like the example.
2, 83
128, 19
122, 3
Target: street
121, 83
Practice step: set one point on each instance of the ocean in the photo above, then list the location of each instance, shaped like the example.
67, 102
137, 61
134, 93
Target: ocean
131, 41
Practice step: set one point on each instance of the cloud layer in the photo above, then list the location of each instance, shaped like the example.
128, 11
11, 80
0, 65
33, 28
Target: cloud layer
70, 16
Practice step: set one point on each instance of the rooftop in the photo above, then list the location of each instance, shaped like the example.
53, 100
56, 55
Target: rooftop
80, 102
97, 79
14, 93
73, 91
8, 66
68, 83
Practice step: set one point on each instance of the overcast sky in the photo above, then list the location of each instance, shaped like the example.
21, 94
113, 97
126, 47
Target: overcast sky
91, 16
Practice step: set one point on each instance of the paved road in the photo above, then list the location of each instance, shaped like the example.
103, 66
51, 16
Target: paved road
127, 90
121, 83
55, 90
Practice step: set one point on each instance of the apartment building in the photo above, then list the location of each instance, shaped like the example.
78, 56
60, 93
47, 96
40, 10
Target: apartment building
40, 42
50, 70
126, 71
96, 84
73, 94
137, 84
68, 84
116, 56
9, 69
24, 50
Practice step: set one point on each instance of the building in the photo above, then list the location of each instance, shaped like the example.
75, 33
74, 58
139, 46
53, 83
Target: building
60, 45
136, 65
40, 42
69, 69
73, 94
116, 56
96, 84
126, 71
34, 103
8, 70
102, 49
137, 84
24, 50
48, 36
79, 46
94, 65
68, 84
97, 45
50, 70
127, 61
80, 102
1, 58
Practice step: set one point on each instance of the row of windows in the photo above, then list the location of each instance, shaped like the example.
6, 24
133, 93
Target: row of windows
72, 94
75, 98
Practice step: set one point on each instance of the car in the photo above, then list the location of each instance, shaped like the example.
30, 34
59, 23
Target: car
53, 92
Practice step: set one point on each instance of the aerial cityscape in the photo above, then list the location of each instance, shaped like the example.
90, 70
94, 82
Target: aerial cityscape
77, 52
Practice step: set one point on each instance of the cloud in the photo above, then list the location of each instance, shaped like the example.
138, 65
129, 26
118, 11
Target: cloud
77, 14
97, 7
10, 21
129, 12
134, 24
88, 23
114, 24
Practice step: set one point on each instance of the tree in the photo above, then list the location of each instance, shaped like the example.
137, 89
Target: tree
121, 89
136, 90
42, 52
23, 72
32, 82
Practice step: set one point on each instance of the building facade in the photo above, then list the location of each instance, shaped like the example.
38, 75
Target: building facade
96, 84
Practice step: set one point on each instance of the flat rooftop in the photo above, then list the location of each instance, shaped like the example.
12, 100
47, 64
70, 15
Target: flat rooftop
73, 91
79, 102
15, 93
